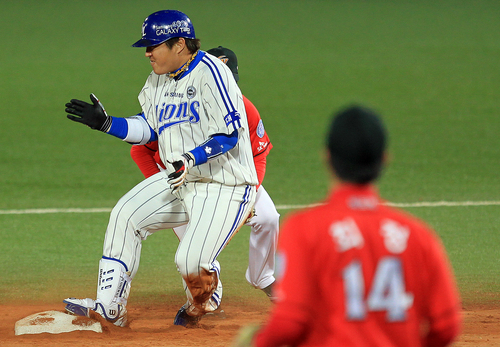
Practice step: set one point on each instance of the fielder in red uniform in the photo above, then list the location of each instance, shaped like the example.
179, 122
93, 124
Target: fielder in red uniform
355, 272
265, 223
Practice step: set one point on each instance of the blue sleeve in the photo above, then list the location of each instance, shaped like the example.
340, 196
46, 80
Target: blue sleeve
215, 146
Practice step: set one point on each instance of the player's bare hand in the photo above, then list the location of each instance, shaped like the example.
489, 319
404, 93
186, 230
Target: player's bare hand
94, 115
181, 167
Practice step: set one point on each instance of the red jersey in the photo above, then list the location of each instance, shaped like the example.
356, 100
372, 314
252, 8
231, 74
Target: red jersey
358, 273
146, 157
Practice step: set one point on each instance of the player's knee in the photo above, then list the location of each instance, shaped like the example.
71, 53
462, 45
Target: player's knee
126, 207
265, 221
123, 217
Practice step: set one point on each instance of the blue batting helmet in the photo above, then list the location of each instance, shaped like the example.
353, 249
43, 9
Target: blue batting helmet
164, 25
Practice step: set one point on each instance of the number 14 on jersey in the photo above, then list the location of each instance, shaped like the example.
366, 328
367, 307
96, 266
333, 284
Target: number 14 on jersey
387, 292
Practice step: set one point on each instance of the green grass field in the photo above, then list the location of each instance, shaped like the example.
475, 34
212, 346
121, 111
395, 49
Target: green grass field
431, 68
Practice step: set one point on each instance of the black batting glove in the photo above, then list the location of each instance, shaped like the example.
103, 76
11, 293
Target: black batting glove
92, 115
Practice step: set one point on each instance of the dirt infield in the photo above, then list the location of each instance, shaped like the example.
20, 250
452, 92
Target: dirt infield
152, 326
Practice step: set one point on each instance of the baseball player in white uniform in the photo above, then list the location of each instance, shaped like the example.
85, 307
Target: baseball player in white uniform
265, 222
192, 105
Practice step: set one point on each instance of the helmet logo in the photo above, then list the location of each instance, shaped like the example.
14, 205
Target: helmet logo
177, 27
224, 59
144, 29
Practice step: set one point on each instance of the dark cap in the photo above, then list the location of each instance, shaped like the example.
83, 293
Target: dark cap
228, 57
356, 143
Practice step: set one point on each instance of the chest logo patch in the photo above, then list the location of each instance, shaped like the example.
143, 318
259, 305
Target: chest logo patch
191, 92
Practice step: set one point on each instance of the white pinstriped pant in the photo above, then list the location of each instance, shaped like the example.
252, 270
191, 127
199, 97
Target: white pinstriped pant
214, 213
263, 241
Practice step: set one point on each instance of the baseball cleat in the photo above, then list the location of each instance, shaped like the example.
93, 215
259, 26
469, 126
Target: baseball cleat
85, 307
184, 319
79, 307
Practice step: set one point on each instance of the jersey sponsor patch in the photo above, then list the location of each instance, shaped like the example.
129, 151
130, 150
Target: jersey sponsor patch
175, 95
180, 26
262, 146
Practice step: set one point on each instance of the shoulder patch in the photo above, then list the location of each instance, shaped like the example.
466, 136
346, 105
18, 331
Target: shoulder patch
260, 129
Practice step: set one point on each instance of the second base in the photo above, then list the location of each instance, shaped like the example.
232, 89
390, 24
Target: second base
55, 322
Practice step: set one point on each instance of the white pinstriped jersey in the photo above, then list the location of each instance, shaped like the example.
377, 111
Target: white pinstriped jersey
184, 112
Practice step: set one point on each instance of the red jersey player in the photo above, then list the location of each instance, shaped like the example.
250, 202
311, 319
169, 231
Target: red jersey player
355, 272
265, 223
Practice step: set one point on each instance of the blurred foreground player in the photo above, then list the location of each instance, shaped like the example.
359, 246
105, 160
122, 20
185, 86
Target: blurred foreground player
354, 271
